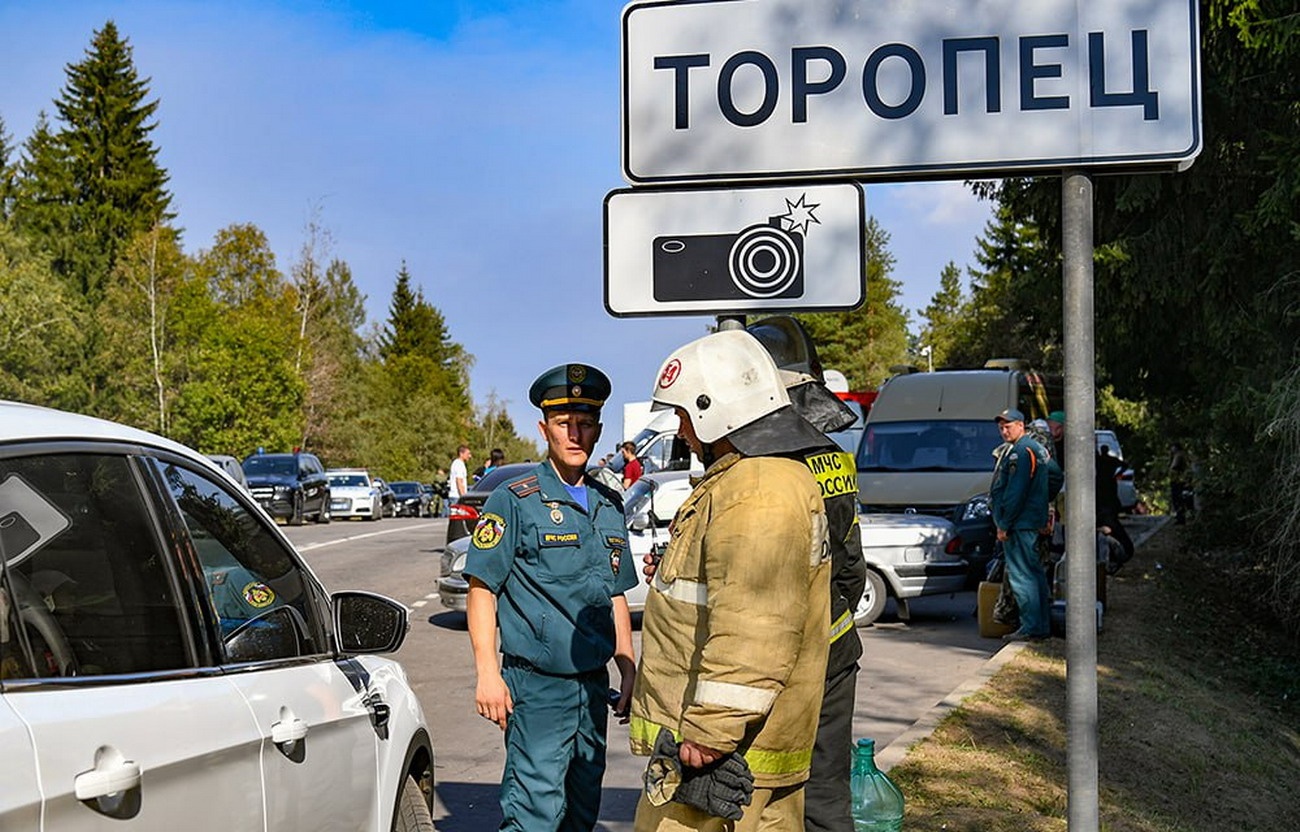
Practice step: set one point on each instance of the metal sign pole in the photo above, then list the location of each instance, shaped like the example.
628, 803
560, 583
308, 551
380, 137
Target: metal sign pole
1080, 502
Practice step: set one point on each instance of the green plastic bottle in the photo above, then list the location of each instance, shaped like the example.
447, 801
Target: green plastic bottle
877, 802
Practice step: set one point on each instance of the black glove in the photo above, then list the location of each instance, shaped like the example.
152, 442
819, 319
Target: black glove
721, 789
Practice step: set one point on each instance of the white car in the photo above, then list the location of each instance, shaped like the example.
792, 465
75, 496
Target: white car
907, 555
168, 661
354, 493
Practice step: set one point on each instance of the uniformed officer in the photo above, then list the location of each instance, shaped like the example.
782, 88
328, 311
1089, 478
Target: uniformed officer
548, 566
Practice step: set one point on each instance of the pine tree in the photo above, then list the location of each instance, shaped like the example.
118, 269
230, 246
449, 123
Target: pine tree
98, 177
8, 173
943, 315
865, 343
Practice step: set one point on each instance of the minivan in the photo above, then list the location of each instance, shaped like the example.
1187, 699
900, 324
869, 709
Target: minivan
929, 440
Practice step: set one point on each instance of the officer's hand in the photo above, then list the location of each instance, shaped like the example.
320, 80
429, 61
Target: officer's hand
695, 755
651, 566
1002, 535
493, 700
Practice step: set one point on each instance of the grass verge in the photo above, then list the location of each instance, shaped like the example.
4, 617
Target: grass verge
1199, 720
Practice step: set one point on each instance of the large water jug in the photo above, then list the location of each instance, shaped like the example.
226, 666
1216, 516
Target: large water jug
877, 802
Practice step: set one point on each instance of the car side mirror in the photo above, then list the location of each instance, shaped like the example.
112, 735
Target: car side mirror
365, 622
639, 522
275, 634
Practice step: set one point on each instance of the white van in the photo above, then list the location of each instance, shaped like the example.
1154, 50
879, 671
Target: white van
929, 439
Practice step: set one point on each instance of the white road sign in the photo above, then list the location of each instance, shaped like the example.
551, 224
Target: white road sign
790, 247
906, 89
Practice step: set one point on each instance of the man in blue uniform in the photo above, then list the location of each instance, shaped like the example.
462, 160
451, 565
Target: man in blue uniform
548, 566
1018, 502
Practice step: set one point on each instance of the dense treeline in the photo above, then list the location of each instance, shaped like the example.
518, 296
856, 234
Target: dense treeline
102, 312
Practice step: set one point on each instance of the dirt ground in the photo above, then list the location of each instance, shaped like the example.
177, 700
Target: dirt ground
1199, 720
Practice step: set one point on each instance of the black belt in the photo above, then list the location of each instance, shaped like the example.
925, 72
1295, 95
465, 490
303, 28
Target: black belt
508, 660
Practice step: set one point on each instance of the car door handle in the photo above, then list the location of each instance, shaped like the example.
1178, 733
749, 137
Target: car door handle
288, 731
112, 774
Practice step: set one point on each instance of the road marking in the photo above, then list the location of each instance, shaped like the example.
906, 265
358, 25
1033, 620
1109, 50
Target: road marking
419, 604
311, 546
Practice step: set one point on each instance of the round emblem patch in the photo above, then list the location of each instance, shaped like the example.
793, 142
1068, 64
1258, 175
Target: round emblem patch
577, 373
670, 373
489, 531
258, 594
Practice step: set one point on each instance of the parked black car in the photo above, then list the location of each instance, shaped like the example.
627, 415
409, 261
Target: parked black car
291, 487
412, 499
465, 511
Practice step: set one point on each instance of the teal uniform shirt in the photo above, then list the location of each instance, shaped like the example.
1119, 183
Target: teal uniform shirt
1018, 493
554, 566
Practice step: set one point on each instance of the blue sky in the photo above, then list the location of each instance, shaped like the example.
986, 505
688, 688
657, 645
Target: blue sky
473, 139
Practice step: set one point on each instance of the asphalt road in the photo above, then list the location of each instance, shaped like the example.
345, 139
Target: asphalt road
908, 667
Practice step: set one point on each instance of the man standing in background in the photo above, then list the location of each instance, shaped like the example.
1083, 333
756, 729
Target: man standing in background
458, 478
1018, 499
631, 465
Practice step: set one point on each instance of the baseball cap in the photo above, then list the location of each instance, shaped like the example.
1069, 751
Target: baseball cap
1010, 415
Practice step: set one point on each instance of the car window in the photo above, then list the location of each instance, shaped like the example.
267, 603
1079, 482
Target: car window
249, 574
349, 481
87, 589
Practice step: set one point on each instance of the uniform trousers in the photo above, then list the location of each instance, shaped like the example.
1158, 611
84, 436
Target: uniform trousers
828, 801
555, 749
1024, 570
771, 810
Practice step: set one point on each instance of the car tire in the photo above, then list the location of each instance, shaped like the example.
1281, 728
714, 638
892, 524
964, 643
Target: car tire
412, 813
324, 516
873, 600
295, 513
375, 512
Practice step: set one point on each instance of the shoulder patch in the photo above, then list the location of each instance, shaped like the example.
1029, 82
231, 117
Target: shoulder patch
489, 531
528, 485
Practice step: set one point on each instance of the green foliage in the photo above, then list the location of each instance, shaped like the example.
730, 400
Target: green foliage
8, 173
1014, 310
943, 317
41, 327
100, 171
865, 343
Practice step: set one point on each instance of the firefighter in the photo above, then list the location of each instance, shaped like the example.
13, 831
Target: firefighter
736, 622
828, 806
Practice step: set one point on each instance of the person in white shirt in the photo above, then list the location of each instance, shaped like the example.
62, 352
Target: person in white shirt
459, 476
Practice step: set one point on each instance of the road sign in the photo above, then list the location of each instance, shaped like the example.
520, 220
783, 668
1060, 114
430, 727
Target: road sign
906, 89
796, 248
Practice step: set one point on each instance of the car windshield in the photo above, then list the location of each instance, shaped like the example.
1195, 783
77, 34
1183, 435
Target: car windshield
265, 464
930, 445
849, 437
349, 481
405, 489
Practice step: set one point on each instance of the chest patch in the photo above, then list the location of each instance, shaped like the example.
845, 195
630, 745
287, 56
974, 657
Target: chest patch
489, 531
559, 538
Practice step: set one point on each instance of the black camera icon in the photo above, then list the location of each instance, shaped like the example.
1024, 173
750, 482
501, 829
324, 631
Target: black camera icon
761, 262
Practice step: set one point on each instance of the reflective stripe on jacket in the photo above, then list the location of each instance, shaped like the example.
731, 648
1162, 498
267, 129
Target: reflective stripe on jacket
734, 636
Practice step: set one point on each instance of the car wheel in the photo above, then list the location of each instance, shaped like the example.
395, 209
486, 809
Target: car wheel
375, 512
873, 600
324, 516
295, 514
412, 813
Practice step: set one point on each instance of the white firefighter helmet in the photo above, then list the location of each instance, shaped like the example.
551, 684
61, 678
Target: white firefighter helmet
723, 381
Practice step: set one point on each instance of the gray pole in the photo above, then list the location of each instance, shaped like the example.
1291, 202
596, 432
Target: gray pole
1080, 505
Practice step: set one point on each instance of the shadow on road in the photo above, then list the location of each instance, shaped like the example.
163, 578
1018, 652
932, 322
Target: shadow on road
449, 620
474, 807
